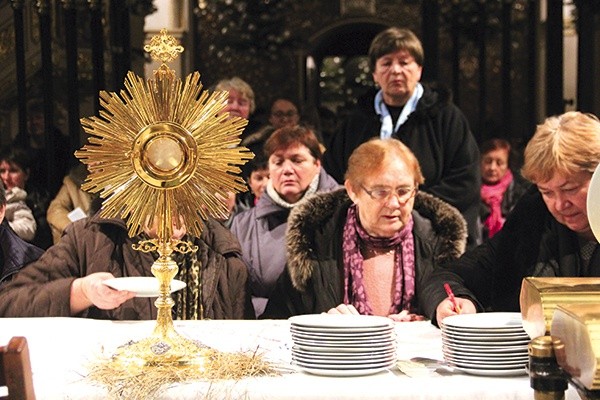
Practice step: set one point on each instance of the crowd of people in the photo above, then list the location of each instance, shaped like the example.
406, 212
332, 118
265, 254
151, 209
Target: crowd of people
370, 215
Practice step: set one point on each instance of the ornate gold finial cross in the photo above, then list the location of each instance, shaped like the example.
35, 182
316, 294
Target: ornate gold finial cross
164, 47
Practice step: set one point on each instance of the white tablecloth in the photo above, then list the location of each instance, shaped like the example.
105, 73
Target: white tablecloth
62, 348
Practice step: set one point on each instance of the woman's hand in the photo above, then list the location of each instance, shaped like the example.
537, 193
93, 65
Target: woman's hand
90, 291
405, 316
343, 309
446, 308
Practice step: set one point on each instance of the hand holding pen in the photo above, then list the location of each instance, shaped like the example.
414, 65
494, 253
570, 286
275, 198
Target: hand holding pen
452, 298
453, 305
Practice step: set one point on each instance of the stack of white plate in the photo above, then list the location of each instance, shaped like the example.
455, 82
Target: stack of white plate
491, 344
343, 345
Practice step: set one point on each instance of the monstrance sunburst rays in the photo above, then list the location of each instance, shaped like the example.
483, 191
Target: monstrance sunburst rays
161, 151
184, 115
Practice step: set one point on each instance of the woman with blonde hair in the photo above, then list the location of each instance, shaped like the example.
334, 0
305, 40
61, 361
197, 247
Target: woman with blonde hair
370, 247
547, 234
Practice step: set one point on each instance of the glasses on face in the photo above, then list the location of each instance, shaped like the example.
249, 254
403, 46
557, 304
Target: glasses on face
281, 114
403, 193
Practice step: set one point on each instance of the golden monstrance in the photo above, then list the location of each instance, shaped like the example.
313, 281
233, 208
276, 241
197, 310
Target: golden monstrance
163, 149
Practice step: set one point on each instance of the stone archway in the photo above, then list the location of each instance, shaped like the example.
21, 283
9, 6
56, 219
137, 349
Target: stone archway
345, 44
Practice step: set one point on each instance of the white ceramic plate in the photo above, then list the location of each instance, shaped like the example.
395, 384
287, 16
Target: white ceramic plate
349, 339
357, 363
491, 357
499, 336
486, 364
333, 359
346, 370
483, 343
482, 321
340, 331
593, 203
348, 349
338, 355
346, 343
342, 334
338, 366
343, 321
492, 372
483, 349
144, 286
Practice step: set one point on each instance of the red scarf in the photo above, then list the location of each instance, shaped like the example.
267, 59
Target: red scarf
492, 195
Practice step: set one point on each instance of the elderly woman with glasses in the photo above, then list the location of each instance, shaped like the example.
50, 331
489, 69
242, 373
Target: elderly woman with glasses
368, 248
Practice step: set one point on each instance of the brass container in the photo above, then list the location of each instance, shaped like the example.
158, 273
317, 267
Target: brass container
577, 326
540, 297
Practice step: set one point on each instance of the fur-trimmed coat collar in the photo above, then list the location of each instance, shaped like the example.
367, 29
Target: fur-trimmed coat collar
314, 215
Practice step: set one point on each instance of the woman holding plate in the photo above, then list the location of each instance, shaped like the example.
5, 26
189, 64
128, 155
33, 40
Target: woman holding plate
69, 279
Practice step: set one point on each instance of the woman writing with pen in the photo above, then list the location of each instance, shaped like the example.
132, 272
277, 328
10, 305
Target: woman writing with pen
547, 234
368, 248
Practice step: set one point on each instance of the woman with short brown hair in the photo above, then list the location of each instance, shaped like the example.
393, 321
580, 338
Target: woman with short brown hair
295, 173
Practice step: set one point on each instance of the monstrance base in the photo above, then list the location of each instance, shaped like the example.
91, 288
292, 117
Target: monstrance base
173, 350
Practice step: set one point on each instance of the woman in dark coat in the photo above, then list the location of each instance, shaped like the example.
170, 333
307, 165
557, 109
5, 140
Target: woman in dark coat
67, 280
422, 117
547, 234
371, 247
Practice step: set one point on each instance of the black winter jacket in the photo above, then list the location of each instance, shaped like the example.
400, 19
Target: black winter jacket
531, 243
438, 134
42, 289
16, 253
313, 281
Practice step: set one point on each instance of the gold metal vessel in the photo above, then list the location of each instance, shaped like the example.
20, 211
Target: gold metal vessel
540, 297
577, 326
163, 152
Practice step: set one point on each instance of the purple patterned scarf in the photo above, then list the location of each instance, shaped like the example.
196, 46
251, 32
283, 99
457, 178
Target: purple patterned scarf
404, 263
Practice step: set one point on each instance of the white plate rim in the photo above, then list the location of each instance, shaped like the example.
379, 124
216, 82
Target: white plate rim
480, 349
484, 356
499, 336
340, 321
494, 372
481, 343
344, 349
344, 373
144, 286
486, 320
350, 361
341, 333
368, 353
378, 344
341, 339
486, 364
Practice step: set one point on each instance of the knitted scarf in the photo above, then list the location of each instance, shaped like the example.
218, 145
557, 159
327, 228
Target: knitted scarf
492, 195
386, 119
277, 199
404, 264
